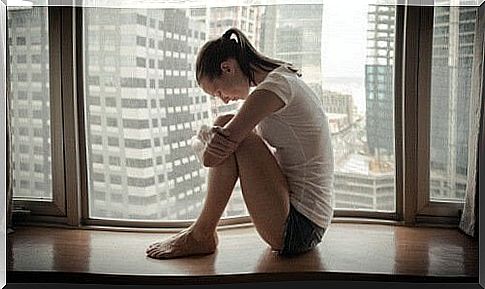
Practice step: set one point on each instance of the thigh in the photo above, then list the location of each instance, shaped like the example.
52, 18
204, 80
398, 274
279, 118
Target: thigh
265, 189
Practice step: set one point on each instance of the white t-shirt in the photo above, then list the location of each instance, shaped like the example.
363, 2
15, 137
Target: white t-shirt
300, 138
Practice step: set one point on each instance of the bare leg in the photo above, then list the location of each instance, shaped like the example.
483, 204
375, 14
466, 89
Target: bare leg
264, 188
201, 237
265, 192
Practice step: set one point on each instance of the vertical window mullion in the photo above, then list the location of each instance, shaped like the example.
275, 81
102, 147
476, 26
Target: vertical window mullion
424, 105
410, 116
69, 116
80, 97
398, 108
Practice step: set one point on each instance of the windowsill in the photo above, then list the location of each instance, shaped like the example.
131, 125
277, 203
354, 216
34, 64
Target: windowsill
37, 221
349, 251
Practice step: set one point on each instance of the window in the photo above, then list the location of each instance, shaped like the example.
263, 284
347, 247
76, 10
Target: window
110, 101
136, 150
141, 182
133, 103
141, 19
20, 40
26, 24
110, 121
135, 123
141, 41
113, 141
451, 77
139, 163
138, 144
133, 82
141, 146
22, 58
141, 62
114, 161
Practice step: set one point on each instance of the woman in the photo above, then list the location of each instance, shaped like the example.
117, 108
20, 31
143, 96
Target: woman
278, 145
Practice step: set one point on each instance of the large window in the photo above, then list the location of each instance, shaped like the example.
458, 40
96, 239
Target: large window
125, 89
142, 108
358, 95
125, 155
28, 42
452, 63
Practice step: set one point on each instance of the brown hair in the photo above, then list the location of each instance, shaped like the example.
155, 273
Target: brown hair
214, 52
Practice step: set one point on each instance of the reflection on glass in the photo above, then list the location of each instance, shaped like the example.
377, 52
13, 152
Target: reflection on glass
29, 91
452, 62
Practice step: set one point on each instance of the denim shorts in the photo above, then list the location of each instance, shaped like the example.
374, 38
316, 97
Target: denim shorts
301, 234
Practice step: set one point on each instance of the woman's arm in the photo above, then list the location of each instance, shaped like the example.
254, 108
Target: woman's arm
257, 106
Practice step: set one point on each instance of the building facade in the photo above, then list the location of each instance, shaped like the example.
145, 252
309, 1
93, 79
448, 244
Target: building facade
142, 110
30, 103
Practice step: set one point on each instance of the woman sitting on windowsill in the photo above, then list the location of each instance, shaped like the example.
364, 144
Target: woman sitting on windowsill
278, 144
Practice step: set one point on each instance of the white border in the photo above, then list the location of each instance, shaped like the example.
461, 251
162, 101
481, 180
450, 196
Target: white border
3, 123
218, 3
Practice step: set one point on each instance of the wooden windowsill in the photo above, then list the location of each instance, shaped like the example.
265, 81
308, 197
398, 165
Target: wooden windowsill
348, 252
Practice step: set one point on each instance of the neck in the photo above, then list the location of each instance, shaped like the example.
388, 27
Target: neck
259, 75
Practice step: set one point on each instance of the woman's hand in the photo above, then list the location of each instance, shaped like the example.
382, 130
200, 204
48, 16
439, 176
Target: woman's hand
219, 147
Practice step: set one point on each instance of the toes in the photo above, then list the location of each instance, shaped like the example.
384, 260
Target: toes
153, 246
160, 254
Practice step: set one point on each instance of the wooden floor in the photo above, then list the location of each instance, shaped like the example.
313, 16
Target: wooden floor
348, 252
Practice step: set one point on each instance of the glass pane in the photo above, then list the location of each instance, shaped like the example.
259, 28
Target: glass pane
358, 93
452, 62
28, 42
142, 108
143, 105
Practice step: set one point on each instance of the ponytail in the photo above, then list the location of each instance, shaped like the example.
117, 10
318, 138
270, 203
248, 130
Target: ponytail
214, 52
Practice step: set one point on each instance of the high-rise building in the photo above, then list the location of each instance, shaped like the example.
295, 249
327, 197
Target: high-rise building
452, 64
30, 103
293, 33
142, 111
335, 102
379, 87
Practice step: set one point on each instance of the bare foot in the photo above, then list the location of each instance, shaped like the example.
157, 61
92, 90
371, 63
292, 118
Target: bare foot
183, 244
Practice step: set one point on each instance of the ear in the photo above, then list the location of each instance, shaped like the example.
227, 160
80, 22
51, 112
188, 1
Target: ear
227, 67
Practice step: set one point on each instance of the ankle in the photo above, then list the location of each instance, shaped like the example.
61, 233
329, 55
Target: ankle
202, 234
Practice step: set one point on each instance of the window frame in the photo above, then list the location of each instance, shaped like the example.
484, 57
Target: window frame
56, 209
428, 210
411, 123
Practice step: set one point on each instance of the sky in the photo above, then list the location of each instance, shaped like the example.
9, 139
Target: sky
344, 37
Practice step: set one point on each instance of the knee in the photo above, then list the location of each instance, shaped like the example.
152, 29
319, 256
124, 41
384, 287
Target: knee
221, 120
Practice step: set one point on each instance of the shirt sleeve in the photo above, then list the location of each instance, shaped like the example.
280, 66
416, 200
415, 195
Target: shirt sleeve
279, 85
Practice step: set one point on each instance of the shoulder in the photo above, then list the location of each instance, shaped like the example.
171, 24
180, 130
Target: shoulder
279, 76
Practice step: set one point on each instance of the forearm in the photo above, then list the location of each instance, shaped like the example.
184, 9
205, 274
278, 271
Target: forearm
257, 106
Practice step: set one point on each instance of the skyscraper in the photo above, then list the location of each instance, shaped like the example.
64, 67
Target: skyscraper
142, 111
452, 64
293, 33
30, 102
379, 84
